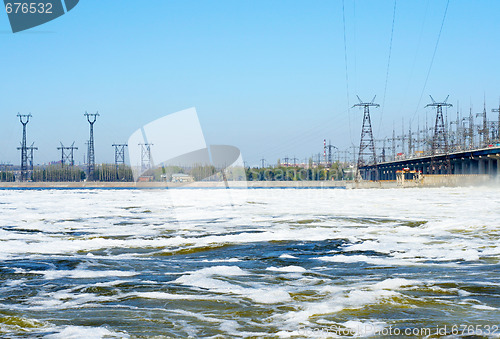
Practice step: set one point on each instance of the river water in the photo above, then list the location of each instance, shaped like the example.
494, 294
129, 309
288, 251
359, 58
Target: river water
272, 263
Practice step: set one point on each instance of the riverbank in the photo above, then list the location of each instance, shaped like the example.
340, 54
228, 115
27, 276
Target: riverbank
426, 181
170, 185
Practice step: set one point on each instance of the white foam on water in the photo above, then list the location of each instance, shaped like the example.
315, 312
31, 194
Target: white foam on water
336, 298
232, 328
78, 332
375, 260
169, 296
363, 329
206, 278
118, 217
394, 283
222, 260
463, 293
291, 268
484, 307
66, 299
287, 256
13, 283
445, 227
82, 274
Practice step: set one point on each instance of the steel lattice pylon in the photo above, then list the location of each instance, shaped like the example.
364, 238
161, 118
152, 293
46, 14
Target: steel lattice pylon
440, 141
24, 119
497, 110
327, 151
91, 118
67, 154
366, 144
146, 160
119, 158
30, 155
119, 154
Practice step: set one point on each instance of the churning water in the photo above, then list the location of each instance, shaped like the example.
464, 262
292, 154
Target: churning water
294, 263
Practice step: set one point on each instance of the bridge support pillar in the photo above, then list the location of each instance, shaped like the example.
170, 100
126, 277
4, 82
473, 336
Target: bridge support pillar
481, 167
473, 166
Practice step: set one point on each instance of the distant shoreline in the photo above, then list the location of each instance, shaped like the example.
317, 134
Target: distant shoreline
427, 181
170, 185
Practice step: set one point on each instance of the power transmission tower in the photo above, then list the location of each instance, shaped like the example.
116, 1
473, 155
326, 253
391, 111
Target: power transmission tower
469, 131
327, 149
324, 151
345, 153
418, 136
403, 137
440, 140
91, 118
366, 145
382, 149
483, 131
30, 155
497, 110
67, 154
353, 153
319, 158
146, 160
410, 141
493, 130
119, 154
393, 143
263, 161
456, 143
5, 167
24, 119
426, 133
286, 159
119, 159
294, 159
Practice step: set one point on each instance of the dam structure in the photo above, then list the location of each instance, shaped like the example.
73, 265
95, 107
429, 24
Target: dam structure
482, 161
467, 149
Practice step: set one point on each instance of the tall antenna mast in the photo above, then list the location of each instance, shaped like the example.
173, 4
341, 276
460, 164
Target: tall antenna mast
366, 144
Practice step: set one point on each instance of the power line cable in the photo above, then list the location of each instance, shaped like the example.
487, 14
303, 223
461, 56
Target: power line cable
346, 69
388, 64
432, 60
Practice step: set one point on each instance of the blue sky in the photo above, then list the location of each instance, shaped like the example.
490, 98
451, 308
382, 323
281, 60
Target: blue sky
266, 76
